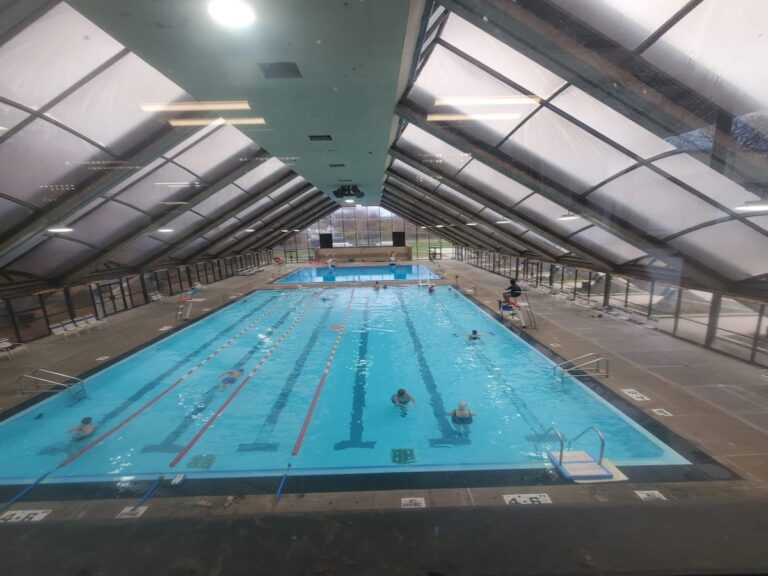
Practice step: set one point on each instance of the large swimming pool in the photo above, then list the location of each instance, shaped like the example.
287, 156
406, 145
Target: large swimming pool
319, 367
359, 274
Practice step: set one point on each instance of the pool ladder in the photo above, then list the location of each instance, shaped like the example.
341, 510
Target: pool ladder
579, 465
47, 380
591, 364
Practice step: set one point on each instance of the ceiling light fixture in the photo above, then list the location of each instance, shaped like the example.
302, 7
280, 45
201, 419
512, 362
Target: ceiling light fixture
423, 227
284, 231
753, 206
471, 223
349, 201
174, 203
569, 216
194, 106
250, 230
462, 117
489, 101
297, 230
503, 222
165, 230
440, 226
185, 122
231, 13
60, 230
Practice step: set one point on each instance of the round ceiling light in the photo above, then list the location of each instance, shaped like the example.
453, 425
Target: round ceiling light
231, 13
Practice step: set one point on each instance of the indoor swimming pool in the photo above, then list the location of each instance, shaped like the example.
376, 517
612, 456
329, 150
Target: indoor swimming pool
359, 274
304, 378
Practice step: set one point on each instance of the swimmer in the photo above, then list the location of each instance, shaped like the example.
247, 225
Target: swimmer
229, 377
473, 335
431, 289
461, 418
376, 285
82, 430
384, 286
401, 399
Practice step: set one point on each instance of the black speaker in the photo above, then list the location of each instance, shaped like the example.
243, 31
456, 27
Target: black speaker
326, 240
398, 238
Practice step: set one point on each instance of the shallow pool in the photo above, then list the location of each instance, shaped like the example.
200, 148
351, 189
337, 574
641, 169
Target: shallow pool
359, 274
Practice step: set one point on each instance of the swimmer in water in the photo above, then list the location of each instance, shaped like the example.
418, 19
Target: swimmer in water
473, 335
401, 399
82, 430
461, 418
229, 377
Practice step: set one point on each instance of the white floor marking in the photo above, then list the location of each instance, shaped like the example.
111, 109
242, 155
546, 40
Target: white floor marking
661, 412
164, 328
527, 499
649, 495
555, 345
102, 358
412, 503
24, 515
635, 394
131, 512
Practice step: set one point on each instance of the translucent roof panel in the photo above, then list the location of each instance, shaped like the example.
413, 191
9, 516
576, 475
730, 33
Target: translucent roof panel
52, 54
181, 225
168, 184
466, 206
256, 178
11, 214
436, 13
52, 258
456, 93
547, 212
628, 22
256, 208
496, 185
653, 203
545, 244
415, 176
107, 223
193, 138
108, 109
139, 251
761, 221
501, 222
284, 192
564, 152
432, 151
713, 49
607, 245
217, 154
706, 180
610, 123
188, 249
500, 57
42, 162
9, 117
225, 199
223, 228
731, 248
134, 176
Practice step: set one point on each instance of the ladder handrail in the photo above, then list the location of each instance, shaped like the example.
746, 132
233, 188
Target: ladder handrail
572, 360
595, 370
602, 442
76, 380
71, 382
559, 437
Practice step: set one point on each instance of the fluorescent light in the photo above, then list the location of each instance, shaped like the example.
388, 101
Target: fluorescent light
60, 230
487, 101
349, 201
182, 122
195, 106
165, 230
231, 13
173, 203
489, 116
284, 231
471, 223
439, 226
250, 230
177, 184
503, 222
297, 230
3, 128
569, 216
753, 206
423, 227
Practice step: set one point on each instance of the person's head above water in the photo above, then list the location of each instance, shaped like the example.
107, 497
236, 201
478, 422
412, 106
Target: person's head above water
463, 405
474, 332
87, 420
401, 392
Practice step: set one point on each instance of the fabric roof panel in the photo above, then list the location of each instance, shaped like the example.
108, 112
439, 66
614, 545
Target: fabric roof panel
52, 258
107, 223
194, 246
9, 117
11, 214
253, 180
543, 243
180, 225
496, 185
166, 184
432, 151
217, 154
414, 175
139, 251
548, 212
607, 245
225, 199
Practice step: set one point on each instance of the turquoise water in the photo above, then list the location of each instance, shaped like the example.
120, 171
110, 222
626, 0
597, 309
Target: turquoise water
163, 410
358, 274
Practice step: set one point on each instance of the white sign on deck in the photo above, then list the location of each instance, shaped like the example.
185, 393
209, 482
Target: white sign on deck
661, 412
635, 394
554, 345
527, 499
649, 495
24, 515
412, 503
131, 512
102, 358
164, 328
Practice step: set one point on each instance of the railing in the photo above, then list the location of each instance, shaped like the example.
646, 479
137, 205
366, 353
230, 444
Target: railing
48, 380
529, 310
602, 442
593, 365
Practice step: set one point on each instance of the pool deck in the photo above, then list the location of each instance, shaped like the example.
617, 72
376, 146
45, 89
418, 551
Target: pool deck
716, 402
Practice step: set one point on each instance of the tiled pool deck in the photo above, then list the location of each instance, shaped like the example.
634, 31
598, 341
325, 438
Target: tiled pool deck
716, 403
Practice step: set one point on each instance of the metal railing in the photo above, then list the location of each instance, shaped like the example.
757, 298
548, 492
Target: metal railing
593, 365
600, 435
47, 380
560, 439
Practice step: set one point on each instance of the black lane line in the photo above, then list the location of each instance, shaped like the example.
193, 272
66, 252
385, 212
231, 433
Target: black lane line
358, 393
149, 386
282, 399
449, 435
169, 444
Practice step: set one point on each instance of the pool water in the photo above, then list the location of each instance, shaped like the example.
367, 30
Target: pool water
319, 367
359, 274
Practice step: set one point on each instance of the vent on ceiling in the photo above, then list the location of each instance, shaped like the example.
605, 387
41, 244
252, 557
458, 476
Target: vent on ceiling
346, 180
280, 70
320, 137
336, 165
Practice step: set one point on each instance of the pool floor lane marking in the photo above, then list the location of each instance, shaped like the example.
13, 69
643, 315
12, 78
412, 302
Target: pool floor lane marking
236, 391
168, 444
308, 417
356, 427
449, 435
279, 404
189, 372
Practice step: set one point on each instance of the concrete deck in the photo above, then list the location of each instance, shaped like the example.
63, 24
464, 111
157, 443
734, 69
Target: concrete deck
718, 403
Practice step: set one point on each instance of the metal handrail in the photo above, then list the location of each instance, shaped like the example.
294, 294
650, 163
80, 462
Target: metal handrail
72, 380
572, 360
602, 442
594, 371
559, 437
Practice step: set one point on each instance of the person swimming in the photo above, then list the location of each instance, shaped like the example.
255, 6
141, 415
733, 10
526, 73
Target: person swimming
461, 418
473, 335
431, 289
401, 399
229, 377
82, 430
376, 285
